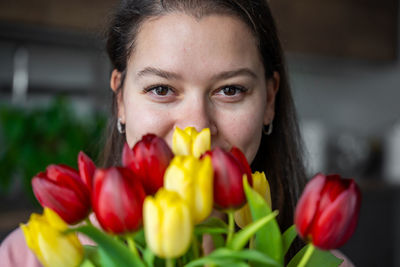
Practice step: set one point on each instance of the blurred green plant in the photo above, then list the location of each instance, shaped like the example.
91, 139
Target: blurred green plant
31, 139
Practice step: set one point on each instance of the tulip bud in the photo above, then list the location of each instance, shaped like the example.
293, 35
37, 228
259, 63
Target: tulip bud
228, 178
148, 160
117, 200
260, 185
168, 224
61, 189
327, 211
86, 169
44, 235
192, 178
191, 142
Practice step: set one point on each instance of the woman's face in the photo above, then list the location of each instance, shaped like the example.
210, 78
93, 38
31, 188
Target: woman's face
203, 73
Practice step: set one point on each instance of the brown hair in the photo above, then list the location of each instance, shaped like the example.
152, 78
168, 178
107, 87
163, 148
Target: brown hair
279, 154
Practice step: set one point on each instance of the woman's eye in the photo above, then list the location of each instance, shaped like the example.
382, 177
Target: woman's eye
231, 90
159, 90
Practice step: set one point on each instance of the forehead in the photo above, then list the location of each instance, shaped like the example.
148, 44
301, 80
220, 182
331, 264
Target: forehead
180, 41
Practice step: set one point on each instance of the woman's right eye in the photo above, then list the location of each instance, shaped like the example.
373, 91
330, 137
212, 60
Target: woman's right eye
159, 90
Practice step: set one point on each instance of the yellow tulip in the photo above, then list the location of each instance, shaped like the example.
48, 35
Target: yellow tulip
192, 178
261, 186
167, 224
44, 236
191, 142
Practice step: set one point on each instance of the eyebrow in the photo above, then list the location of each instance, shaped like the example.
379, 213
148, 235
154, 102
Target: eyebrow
175, 76
232, 73
159, 72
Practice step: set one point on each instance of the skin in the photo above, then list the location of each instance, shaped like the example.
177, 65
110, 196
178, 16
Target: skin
203, 73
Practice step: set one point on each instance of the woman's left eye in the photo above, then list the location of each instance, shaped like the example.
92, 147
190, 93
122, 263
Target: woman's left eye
231, 90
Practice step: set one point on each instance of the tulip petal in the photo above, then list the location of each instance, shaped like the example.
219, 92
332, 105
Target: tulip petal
191, 131
68, 177
61, 173
117, 200
334, 226
175, 179
334, 186
243, 216
201, 143
86, 169
51, 246
261, 186
64, 201
148, 160
176, 229
203, 192
308, 204
153, 219
159, 157
127, 156
181, 142
228, 180
244, 165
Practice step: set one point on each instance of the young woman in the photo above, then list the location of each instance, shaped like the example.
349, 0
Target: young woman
216, 64
202, 63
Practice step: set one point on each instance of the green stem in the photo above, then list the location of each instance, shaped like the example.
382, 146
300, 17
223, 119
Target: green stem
251, 243
131, 245
195, 246
170, 263
306, 256
231, 226
88, 222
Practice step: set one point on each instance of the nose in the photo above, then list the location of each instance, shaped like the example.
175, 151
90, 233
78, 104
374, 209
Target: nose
198, 112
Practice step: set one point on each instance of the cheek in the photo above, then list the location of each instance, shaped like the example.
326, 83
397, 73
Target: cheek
244, 131
142, 119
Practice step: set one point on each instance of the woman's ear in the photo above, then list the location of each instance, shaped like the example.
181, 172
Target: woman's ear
115, 83
272, 89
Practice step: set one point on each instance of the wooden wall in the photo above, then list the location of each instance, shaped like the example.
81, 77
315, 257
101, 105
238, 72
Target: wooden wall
364, 29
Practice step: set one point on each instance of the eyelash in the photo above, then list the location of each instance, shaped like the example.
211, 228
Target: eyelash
238, 89
153, 88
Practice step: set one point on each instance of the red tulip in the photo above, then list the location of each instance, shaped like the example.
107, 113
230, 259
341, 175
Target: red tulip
86, 169
327, 211
229, 168
61, 189
245, 167
148, 160
117, 200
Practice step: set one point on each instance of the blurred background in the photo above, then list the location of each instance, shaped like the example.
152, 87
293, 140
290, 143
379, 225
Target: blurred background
343, 58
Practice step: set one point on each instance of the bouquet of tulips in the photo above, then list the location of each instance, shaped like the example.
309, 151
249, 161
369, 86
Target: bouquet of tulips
155, 209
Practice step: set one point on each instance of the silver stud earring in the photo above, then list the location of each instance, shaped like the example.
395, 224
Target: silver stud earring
120, 126
267, 129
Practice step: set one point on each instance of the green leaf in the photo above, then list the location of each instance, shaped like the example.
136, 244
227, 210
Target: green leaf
287, 238
148, 257
209, 230
140, 239
216, 262
268, 239
218, 240
87, 263
112, 252
318, 258
211, 226
213, 222
91, 256
241, 238
106, 260
227, 257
